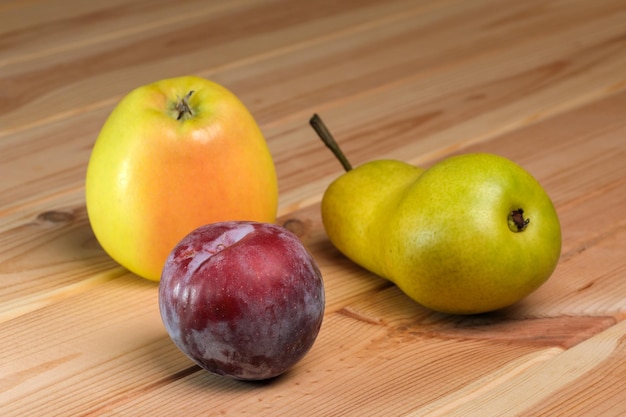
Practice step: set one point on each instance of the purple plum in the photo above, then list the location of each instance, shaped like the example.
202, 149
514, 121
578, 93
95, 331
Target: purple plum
242, 299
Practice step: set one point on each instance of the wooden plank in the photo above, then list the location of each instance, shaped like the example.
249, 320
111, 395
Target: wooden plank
111, 66
50, 152
585, 380
373, 336
541, 83
383, 343
594, 378
109, 361
29, 234
55, 153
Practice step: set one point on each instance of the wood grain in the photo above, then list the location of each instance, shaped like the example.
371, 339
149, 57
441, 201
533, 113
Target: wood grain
540, 82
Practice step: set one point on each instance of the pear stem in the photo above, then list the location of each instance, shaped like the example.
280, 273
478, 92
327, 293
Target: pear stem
322, 131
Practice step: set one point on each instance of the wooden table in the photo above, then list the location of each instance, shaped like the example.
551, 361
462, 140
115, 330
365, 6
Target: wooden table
540, 82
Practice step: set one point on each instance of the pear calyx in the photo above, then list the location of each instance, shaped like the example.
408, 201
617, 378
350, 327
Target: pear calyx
517, 222
182, 107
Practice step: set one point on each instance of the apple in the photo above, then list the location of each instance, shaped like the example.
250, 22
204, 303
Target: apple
242, 299
172, 156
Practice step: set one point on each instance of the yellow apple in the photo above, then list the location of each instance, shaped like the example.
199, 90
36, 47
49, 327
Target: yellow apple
172, 156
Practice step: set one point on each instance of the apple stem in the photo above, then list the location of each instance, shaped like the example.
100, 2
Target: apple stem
183, 106
322, 131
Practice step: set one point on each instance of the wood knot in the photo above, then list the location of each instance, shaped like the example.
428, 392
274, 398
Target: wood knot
55, 217
296, 226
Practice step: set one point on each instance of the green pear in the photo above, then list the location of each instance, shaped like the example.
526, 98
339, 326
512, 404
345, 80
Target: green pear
355, 206
473, 233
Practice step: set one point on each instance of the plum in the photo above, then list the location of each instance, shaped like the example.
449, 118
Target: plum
242, 299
